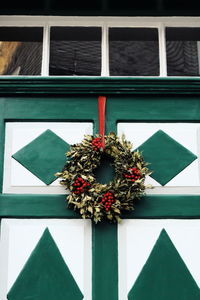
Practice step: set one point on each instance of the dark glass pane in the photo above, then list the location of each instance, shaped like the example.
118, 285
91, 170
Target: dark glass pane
183, 51
20, 50
133, 52
75, 51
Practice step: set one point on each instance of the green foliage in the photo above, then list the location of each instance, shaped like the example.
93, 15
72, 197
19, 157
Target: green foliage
89, 196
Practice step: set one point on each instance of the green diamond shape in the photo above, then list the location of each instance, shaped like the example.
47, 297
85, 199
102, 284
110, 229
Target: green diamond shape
166, 156
44, 156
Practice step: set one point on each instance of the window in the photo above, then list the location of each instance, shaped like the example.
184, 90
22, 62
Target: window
20, 50
183, 50
133, 52
99, 46
75, 51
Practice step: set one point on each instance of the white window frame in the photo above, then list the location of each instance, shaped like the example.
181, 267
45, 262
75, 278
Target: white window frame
47, 22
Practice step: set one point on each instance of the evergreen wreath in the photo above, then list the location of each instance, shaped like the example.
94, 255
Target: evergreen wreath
103, 201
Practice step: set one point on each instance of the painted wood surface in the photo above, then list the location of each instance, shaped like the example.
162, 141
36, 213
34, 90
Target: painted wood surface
19, 238
45, 275
18, 178
142, 242
164, 275
98, 86
121, 108
185, 134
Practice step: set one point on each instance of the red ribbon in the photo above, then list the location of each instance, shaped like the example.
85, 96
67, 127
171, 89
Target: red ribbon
101, 110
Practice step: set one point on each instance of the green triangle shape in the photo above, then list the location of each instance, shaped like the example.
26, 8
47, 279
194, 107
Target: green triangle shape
165, 275
45, 276
44, 156
166, 156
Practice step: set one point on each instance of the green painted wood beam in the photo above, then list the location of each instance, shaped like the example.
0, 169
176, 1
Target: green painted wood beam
62, 109
104, 262
166, 206
55, 206
152, 109
98, 85
13, 205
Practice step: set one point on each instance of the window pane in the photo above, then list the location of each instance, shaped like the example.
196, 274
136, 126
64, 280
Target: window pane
133, 52
183, 48
20, 50
75, 51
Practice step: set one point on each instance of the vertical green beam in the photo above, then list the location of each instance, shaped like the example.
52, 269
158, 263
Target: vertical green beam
2, 140
111, 119
105, 262
105, 249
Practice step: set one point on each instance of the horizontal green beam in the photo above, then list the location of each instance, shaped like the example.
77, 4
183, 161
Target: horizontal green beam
97, 85
166, 206
13, 205
55, 206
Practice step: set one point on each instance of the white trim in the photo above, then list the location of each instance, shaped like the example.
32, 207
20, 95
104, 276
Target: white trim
162, 51
7, 20
45, 51
105, 52
165, 190
140, 22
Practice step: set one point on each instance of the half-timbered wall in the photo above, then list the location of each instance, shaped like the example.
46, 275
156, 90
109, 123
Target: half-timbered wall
47, 251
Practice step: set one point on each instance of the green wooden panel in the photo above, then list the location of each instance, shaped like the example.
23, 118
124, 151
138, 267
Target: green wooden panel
165, 275
105, 262
105, 172
45, 275
47, 108
166, 156
44, 156
152, 108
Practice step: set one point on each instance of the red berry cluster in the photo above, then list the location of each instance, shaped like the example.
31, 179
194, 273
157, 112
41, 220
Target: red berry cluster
133, 174
107, 200
97, 143
79, 185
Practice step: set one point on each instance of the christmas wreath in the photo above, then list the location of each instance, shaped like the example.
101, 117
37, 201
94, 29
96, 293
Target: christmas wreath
103, 201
